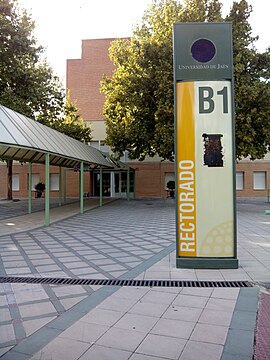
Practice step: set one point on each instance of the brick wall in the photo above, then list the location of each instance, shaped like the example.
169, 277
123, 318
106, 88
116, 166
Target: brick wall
72, 180
84, 76
150, 179
248, 168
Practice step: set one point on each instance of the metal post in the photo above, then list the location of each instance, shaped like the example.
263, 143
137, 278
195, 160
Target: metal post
60, 187
100, 187
29, 188
65, 185
81, 188
47, 189
134, 183
128, 184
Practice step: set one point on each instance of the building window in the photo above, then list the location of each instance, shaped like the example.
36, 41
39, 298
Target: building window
15, 182
259, 180
54, 182
240, 180
35, 180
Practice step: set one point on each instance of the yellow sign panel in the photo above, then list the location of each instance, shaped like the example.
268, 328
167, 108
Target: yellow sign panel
205, 211
186, 169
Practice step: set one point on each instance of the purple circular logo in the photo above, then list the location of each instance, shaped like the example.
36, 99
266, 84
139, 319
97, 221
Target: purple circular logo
203, 50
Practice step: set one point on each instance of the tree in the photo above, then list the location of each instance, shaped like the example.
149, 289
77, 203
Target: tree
139, 95
27, 83
68, 121
252, 91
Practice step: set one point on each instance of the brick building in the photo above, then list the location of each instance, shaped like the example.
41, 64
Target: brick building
150, 176
83, 81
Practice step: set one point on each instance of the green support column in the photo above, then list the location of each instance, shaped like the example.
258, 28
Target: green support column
47, 189
60, 187
81, 188
128, 184
134, 184
65, 185
29, 188
100, 187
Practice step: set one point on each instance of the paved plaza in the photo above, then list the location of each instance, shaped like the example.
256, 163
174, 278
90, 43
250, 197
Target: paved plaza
127, 240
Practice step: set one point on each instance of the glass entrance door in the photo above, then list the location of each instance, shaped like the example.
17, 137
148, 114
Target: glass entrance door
120, 184
106, 186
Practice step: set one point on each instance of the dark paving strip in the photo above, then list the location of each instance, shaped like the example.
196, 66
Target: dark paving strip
262, 336
106, 253
53, 256
54, 299
15, 317
240, 340
2, 267
126, 282
74, 253
51, 295
35, 342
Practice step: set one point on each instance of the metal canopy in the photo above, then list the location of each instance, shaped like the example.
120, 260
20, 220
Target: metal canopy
26, 140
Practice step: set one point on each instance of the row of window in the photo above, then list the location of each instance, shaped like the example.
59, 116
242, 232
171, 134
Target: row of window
259, 180
54, 182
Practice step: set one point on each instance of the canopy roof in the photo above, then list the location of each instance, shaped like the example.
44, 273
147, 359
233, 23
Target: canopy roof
26, 140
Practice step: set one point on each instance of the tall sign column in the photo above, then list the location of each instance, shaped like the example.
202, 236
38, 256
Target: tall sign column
205, 157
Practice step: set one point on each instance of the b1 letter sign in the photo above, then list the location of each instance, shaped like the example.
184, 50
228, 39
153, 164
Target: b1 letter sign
204, 131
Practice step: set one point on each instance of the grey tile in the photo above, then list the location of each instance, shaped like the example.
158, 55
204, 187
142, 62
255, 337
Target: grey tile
162, 346
190, 301
62, 349
121, 339
225, 293
85, 332
220, 304
210, 333
182, 313
147, 308
173, 328
197, 291
31, 326
137, 356
46, 268
127, 292
117, 304
216, 317
36, 309
70, 302
201, 350
97, 352
102, 317
159, 297
136, 322
6, 333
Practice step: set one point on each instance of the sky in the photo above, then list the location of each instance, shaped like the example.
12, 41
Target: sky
62, 24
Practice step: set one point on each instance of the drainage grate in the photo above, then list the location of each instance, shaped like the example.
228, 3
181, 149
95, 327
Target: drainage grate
119, 282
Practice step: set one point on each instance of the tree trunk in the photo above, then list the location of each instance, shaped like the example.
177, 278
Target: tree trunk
9, 179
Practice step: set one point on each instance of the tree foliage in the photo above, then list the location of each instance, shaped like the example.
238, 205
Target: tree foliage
27, 83
139, 96
69, 122
252, 91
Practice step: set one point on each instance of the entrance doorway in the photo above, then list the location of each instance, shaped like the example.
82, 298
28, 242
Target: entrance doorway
114, 184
